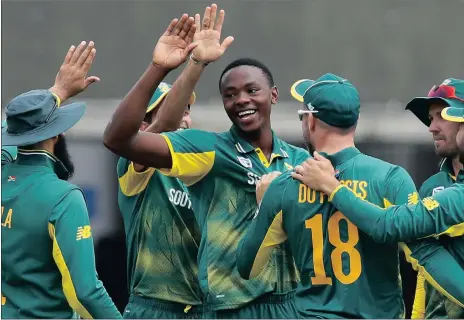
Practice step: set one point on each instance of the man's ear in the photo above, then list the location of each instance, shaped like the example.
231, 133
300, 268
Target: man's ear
274, 95
311, 122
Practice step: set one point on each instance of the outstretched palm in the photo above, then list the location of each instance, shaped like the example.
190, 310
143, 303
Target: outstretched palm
208, 34
175, 44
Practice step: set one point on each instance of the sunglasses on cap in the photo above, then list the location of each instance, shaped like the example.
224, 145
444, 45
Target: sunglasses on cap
444, 91
302, 112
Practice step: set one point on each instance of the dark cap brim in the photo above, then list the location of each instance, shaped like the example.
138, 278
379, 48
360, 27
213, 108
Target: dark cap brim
65, 118
420, 107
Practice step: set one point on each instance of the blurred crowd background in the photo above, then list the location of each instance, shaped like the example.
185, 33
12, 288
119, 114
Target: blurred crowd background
391, 50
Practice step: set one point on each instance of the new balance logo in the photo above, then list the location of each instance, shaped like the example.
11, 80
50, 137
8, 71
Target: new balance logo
430, 203
83, 233
413, 198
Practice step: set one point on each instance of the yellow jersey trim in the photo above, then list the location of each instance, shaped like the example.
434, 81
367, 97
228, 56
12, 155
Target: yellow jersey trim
68, 286
416, 266
133, 182
418, 307
335, 191
275, 235
189, 167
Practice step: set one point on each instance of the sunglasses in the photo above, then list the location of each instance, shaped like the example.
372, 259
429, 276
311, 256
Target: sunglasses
444, 91
302, 112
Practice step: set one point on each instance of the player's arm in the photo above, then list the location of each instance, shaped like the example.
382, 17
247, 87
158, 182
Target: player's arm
73, 252
265, 233
122, 135
433, 216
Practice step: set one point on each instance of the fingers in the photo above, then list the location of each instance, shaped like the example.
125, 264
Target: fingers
90, 80
188, 49
299, 170
297, 176
180, 25
82, 59
206, 18
220, 21
318, 157
187, 26
197, 23
77, 53
67, 59
171, 27
191, 34
227, 42
212, 20
88, 62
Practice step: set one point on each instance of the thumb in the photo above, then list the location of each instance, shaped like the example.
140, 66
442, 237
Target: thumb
227, 42
318, 157
189, 49
90, 80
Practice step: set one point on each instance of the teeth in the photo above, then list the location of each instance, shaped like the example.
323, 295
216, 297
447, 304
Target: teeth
244, 113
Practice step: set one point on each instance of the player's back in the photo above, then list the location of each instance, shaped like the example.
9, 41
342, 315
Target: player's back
31, 281
345, 274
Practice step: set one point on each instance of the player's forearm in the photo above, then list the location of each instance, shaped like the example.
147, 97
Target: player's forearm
436, 264
125, 122
170, 115
395, 224
97, 302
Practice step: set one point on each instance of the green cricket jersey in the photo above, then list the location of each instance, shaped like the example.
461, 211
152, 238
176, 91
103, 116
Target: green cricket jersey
429, 302
344, 273
162, 235
221, 171
437, 215
48, 263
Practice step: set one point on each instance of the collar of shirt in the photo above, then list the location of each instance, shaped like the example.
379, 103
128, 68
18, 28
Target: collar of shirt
243, 146
341, 156
43, 159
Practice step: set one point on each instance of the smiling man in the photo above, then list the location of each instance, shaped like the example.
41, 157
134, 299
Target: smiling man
220, 171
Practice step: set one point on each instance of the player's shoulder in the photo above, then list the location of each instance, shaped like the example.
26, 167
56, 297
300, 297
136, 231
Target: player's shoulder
438, 182
284, 182
296, 154
378, 166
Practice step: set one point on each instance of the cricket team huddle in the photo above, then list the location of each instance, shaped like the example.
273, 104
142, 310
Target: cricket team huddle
230, 225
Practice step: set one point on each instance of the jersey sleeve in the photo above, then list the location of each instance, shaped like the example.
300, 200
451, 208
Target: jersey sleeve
433, 216
193, 154
132, 182
265, 233
435, 264
400, 188
73, 252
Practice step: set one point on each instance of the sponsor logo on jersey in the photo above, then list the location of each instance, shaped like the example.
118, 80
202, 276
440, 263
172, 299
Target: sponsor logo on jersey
84, 232
437, 189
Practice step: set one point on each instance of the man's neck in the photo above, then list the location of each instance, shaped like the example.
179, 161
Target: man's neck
334, 144
457, 165
261, 139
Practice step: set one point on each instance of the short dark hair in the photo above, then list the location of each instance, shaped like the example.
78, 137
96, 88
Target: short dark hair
248, 62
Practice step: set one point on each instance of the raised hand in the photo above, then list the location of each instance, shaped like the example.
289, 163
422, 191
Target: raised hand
72, 76
175, 44
208, 34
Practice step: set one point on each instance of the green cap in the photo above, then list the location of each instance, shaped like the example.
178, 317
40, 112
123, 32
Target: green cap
160, 93
37, 116
450, 92
333, 99
453, 114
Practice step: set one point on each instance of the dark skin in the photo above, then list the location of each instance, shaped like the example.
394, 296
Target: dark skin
247, 88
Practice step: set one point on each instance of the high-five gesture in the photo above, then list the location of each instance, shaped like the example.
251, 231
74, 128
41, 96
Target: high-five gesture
72, 76
175, 44
208, 34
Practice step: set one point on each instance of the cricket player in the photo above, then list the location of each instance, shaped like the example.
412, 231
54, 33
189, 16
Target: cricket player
429, 302
219, 169
48, 263
162, 235
437, 215
9, 153
342, 273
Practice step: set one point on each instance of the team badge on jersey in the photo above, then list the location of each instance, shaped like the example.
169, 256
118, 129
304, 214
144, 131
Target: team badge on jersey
245, 162
437, 189
11, 179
